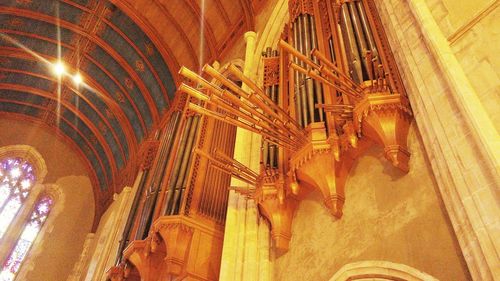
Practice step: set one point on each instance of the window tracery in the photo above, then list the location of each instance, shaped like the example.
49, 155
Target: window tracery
16, 180
30, 232
25, 205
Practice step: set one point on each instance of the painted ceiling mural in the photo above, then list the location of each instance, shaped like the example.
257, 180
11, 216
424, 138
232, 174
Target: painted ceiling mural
127, 82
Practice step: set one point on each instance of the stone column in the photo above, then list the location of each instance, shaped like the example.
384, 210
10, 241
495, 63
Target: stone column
244, 239
80, 265
459, 136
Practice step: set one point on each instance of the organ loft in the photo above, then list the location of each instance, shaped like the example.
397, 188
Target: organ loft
252, 140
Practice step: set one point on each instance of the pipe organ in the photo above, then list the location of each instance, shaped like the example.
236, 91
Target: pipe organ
331, 90
176, 226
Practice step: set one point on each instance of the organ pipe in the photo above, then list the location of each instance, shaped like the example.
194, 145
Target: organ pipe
132, 216
157, 176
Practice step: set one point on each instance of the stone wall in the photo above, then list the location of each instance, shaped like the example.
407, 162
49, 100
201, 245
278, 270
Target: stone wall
457, 128
64, 235
388, 216
471, 28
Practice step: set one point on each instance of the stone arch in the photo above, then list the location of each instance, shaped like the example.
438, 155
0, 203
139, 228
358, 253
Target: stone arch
380, 270
28, 153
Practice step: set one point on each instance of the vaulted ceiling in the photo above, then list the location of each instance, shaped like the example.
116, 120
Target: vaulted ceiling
128, 53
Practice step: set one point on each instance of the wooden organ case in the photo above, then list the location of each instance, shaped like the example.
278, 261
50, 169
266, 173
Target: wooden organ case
330, 92
177, 220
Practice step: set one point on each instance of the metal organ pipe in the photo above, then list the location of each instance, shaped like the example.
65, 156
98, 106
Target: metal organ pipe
307, 91
174, 176
131, 218
298, 102
157, 177
352, 50
270, 150
309, 85
181, 180
360, 38
317, 85
302, 77
367, 30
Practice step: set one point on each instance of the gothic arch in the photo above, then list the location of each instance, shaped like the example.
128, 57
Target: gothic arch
38, 190
28, 153
380, 270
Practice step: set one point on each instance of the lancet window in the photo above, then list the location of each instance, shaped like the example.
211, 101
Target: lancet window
21, 218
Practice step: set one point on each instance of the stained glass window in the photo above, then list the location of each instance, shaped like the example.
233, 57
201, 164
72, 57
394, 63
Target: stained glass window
25, 241
16, 179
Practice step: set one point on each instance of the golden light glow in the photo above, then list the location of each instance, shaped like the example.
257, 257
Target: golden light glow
77, 78
58, 68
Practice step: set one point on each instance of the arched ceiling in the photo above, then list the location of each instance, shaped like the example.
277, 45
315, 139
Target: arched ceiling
128, 53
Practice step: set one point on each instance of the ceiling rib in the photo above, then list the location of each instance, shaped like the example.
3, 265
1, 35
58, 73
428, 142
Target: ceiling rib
96, 40
98, 135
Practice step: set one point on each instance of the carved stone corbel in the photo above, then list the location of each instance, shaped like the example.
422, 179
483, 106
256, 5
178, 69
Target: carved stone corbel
115, 273
277, 205
147, 263
315, 165
177, 241
386, 120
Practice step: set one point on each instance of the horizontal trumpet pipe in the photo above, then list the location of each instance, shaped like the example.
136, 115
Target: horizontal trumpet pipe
234, 162
318, 77
324, 60
232, 173
332, 66
228, 168
294, 52
274, 109
224, 94
216, 101
189, 74
343, 87
284, 141
268, 109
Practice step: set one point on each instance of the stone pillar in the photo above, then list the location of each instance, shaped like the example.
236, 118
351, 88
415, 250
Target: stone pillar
111, 230
80, 265
459, 136
244, 238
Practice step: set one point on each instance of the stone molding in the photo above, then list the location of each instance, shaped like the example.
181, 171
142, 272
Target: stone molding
380, 270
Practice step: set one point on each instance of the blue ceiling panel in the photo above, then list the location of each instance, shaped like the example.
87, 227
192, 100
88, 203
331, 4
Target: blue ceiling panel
35, 45
106, 111
27, 25
53, 8
107, 126
22, 96
26, 80
137, 63
142, 41
121, 75
92, 70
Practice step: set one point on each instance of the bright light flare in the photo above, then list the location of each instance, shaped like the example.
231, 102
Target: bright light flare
77, 79
58, 68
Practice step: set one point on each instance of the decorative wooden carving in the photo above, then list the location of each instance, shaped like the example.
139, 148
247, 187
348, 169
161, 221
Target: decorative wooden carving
271, 71
299, 7
147, 262
278, 207
386, 120
193, 249
148, 153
